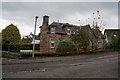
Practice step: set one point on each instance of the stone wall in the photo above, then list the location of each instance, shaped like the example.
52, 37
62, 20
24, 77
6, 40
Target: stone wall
6, 54
57, 38
103, 43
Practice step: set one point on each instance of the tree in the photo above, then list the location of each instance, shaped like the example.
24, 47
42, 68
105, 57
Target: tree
66, 46
27, 39
81, 38
11, 38
114, 42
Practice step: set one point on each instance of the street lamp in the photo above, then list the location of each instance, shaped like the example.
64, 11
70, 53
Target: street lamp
34, 36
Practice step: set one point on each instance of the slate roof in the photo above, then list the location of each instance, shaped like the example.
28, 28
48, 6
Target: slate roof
110, 31
37, 37
62, 27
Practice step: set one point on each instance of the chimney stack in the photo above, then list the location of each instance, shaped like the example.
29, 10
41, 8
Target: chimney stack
45, 20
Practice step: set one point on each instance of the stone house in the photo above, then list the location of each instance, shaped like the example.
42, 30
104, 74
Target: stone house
52, 34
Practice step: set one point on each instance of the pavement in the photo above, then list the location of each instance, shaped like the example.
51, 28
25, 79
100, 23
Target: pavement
103, 65
6, 61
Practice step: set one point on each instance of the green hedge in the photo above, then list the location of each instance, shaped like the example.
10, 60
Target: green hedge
38, 54
11, 48
30, 47
66, 46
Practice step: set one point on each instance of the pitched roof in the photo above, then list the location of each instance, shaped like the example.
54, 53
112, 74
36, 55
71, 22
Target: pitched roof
97, 33
61, 27
111, 31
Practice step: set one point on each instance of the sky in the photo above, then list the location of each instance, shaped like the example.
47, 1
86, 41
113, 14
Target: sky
22, 14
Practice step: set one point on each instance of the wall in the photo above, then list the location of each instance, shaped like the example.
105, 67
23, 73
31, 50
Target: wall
103, 43
57, 39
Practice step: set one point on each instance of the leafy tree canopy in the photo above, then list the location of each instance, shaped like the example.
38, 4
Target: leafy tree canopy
81, 38
114, 42
66, 46
27, 39
11, 35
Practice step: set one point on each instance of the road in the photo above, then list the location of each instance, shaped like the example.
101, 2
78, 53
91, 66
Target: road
100, 66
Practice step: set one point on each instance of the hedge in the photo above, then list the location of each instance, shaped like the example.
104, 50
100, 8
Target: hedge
66, 46
30, 47
38, 54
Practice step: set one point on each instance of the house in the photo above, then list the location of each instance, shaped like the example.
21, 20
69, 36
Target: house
111, 33
52, 34
99, 39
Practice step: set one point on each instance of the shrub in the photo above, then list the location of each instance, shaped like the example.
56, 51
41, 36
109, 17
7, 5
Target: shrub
11, 38
66, 46
39, 54
26, 46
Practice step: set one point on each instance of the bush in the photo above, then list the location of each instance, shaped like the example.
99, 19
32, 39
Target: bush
28, 46
11, 38
38, 54
66, 46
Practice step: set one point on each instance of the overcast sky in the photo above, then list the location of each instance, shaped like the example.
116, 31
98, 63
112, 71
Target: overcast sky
23, 14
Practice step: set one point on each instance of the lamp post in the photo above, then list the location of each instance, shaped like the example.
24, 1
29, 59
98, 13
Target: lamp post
34, 36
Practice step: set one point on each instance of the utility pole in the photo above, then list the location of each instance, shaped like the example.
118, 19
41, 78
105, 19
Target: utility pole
34, 36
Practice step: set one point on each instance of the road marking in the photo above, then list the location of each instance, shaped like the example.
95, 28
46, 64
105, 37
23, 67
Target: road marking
75, 64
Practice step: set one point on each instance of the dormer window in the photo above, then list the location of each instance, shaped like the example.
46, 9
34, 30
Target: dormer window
52, 30
68, 31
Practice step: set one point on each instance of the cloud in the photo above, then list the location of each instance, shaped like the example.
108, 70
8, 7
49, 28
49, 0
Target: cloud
23, 13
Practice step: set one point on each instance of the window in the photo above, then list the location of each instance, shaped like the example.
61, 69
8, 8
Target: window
52, 30
68, 31
99, 44
52, 43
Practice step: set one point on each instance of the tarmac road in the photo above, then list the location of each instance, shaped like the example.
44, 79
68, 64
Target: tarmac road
100, 66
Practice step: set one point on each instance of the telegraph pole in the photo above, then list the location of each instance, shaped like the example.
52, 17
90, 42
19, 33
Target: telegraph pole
34, 36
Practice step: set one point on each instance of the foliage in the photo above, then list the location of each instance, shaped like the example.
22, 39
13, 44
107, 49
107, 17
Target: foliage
11, 38
109, 41
81, 38
114, 42
28, 46
38, 54
27, 39
66, 46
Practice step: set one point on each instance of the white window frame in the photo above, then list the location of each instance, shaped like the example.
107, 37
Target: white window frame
99, 46
68, 31
52, 41
52, 29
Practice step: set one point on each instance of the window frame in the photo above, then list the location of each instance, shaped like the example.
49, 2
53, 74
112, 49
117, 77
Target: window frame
52, 30
52, 41
68, 31
99, 44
